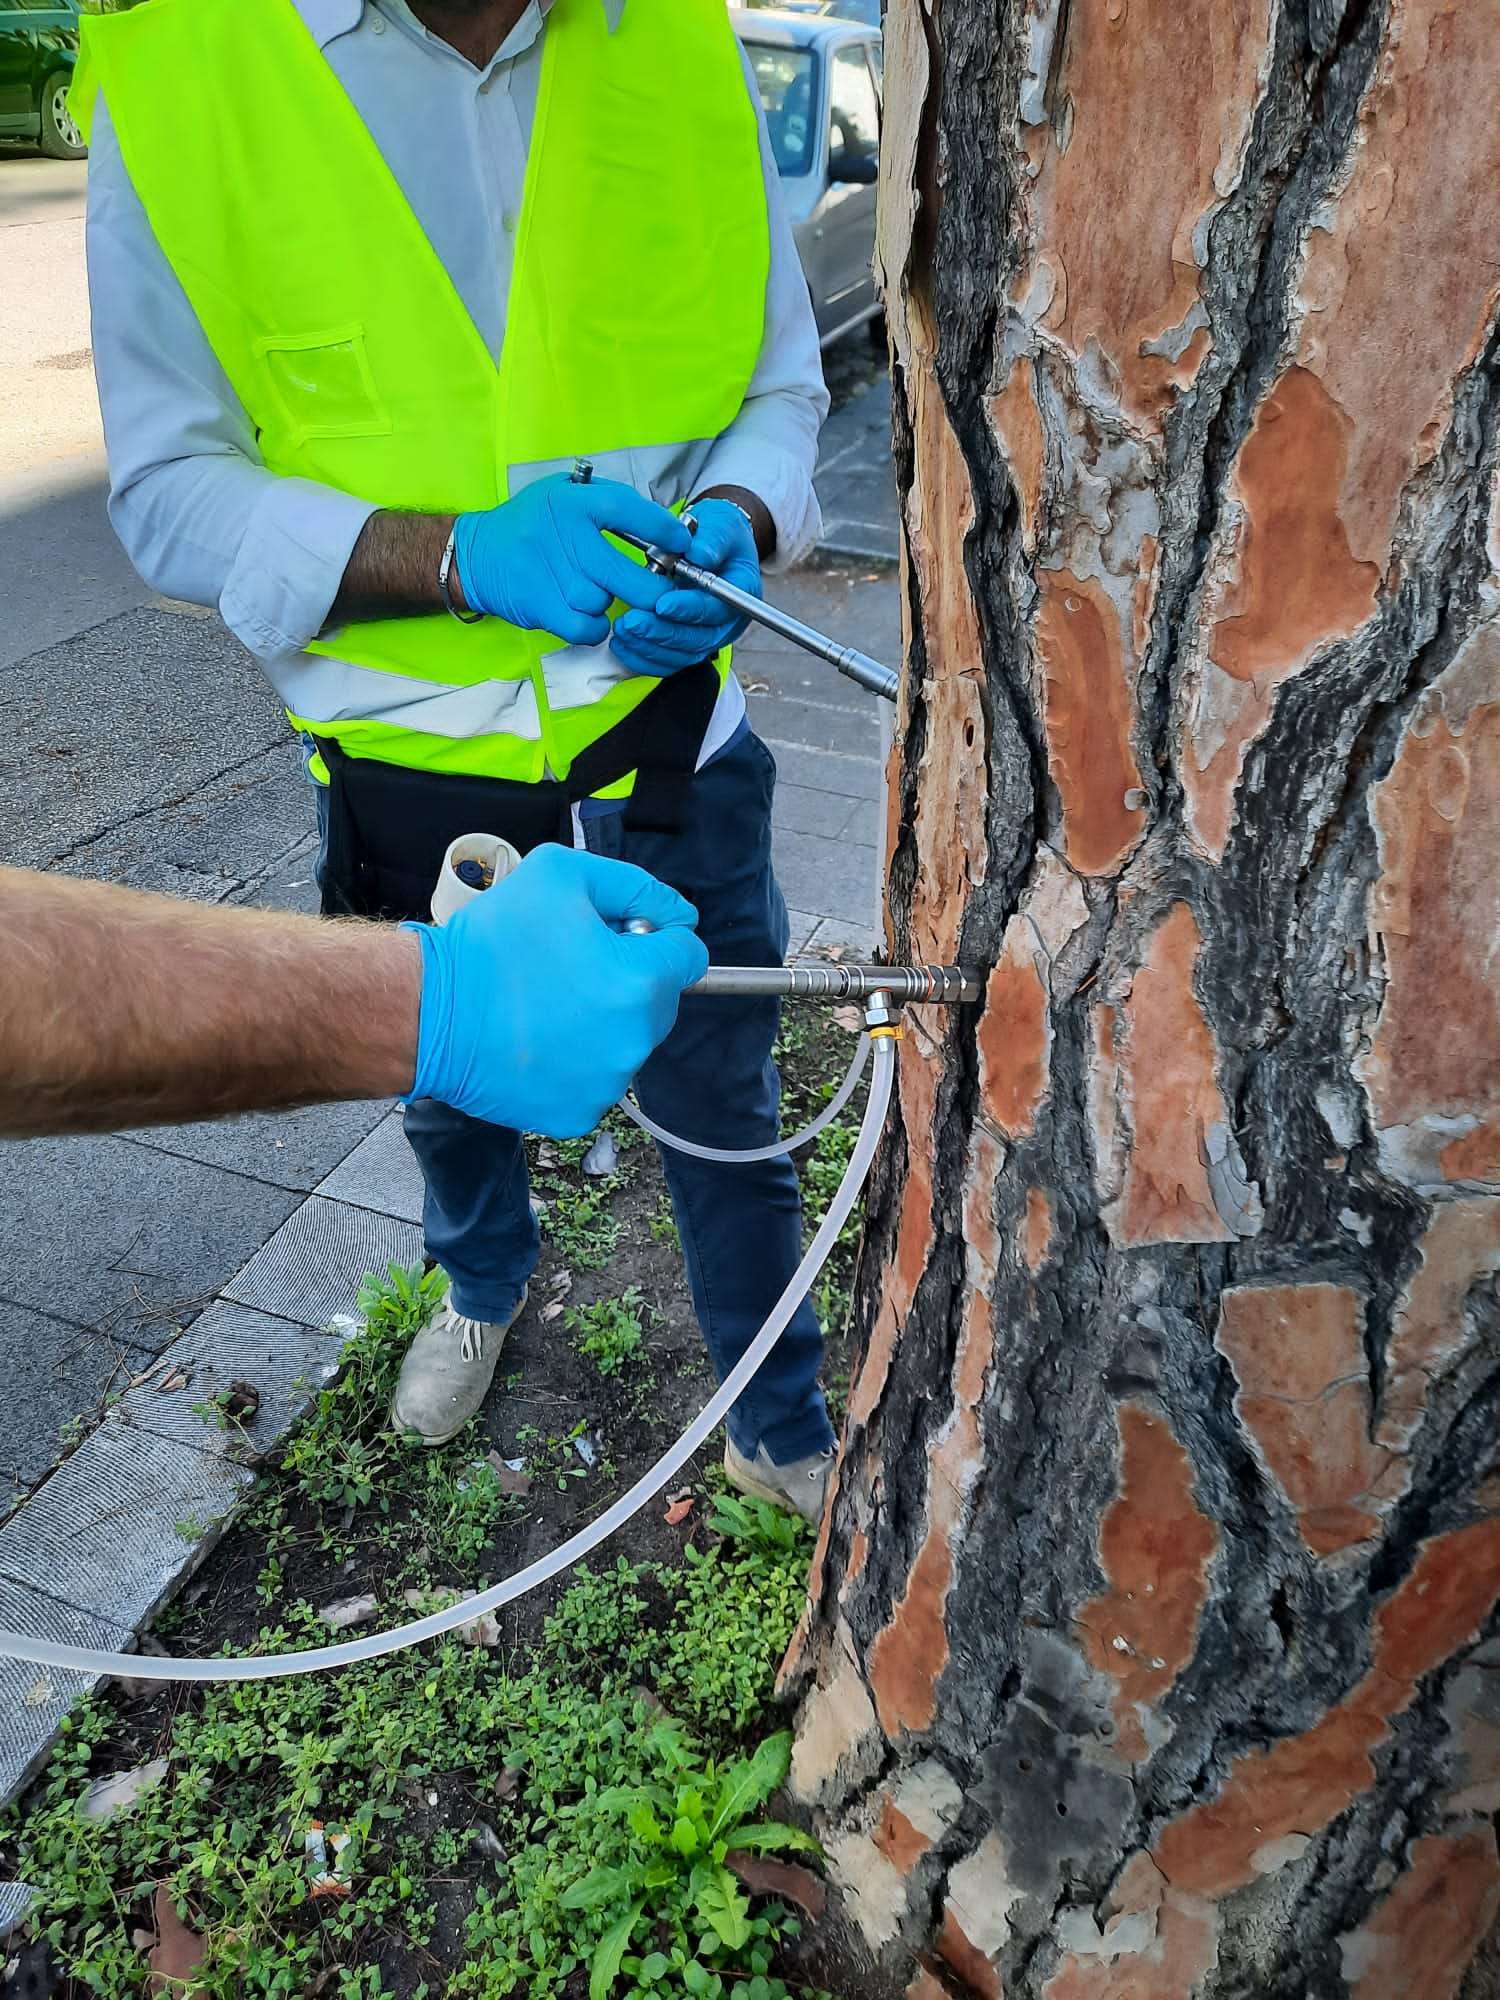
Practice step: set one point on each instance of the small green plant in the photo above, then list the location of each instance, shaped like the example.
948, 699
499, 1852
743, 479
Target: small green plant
552, 1461
611, 1332
579, 1226
665, 1875
758, 1523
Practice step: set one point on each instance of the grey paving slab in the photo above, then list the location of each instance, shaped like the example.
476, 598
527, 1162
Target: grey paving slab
816, 725
290, 885
224, 834
828, 770
838, 875
855, 604
125, 717
54, 1372
286, 1364
856, 478
803, 924
310, 1269
291, 1149
33, 1700
381, 1173
845, 939
106, 1232
800, 809
116, 1525
854, 526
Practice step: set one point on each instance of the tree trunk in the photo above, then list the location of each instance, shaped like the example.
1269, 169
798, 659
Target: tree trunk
1152, 1631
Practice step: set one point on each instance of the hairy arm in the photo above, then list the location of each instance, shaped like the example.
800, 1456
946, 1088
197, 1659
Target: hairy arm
393, 568
119, 1008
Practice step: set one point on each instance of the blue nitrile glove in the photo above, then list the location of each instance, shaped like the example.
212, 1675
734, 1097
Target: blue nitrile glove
535, 1012
541, 560
688, 625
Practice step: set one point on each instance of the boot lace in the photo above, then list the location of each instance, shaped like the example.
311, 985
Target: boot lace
471, 1345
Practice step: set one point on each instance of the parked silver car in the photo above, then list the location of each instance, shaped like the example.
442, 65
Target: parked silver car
820, 81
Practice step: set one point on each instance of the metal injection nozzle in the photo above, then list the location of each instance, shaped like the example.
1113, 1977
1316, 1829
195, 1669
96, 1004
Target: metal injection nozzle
848, 659
813, 979
821, 979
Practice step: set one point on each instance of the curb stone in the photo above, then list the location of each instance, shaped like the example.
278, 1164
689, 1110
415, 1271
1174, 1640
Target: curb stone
118, 1526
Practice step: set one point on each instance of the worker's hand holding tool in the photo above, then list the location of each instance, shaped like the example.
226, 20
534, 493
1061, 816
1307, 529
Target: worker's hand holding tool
684, 625
542, 561
536, 1011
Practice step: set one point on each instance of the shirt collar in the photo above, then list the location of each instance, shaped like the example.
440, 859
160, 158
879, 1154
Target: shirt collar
328, 19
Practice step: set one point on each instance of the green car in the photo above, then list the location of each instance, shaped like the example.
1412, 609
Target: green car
38, 47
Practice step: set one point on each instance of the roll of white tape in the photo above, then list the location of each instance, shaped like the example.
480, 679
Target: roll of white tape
492, 853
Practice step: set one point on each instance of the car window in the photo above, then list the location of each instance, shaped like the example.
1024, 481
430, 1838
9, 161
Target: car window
854, 115
786, 79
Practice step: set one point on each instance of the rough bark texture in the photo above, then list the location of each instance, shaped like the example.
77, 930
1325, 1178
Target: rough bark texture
1152, 1634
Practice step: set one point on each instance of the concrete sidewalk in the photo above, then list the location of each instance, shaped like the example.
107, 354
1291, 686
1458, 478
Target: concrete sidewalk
235, 1245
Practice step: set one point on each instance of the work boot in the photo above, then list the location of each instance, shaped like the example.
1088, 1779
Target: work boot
447, 1374
802, 1485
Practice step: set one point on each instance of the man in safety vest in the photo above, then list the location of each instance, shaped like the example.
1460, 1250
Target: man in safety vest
369, 279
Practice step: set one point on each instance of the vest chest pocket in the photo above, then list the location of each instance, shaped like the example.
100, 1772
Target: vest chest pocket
320, 385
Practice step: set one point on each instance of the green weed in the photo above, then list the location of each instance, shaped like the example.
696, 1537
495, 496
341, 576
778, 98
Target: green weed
611, 1332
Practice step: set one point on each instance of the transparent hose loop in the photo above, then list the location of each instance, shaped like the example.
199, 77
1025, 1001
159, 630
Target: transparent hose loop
149, 1667
774, 1151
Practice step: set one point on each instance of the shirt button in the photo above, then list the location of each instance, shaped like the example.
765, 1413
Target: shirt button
377, 21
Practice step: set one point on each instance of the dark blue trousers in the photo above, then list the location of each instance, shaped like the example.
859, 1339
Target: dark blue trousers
713, 1081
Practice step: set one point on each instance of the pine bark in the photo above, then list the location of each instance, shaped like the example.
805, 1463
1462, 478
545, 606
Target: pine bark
1152, 1643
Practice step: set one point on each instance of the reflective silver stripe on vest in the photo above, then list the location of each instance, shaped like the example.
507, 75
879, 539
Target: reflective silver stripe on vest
322, 690
578, 676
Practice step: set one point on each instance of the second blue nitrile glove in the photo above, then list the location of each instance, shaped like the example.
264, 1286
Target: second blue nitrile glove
686, 626
535, 1011
541, 560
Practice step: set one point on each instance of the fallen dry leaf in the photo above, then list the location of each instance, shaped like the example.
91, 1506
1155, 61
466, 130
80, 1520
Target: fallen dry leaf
679, 1510
481, 1631
779, 1878
240, 1402
850, 1018
511, 1475
551, 1312
114, 1794
175, 1378
348, 1611
178, 1952
508, 1784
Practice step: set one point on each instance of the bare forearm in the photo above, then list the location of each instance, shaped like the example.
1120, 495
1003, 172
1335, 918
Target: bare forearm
393, 568
118, 1008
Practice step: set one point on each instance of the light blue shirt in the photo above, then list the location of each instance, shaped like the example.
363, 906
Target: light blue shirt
202, 518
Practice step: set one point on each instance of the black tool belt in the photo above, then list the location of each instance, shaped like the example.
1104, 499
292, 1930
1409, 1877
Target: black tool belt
389, 828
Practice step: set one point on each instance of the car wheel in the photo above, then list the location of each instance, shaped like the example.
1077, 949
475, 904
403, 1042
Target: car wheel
60, 137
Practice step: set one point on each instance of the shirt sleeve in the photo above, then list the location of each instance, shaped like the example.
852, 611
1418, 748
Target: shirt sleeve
772, 445
198, 512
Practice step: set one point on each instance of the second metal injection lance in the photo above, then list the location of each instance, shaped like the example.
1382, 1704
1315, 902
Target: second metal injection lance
848, 659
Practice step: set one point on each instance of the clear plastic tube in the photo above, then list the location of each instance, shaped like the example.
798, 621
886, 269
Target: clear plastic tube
147, 1666
774, 1151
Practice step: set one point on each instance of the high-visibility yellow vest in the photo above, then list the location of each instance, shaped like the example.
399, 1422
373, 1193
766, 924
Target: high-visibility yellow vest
635, 317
